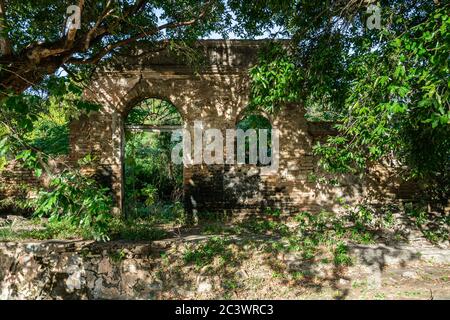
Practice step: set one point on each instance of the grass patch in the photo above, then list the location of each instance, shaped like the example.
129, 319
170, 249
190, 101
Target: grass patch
7, 234
204, 254
38, 229
215, 228
140, 229
263, 226
341, 255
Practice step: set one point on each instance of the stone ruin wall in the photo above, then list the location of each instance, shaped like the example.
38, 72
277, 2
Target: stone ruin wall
123, 270
18, 184
217, 94
14, 183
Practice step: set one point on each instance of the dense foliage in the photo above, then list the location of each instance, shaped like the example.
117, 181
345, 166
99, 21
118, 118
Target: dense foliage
399, 102
79, 201
386, 89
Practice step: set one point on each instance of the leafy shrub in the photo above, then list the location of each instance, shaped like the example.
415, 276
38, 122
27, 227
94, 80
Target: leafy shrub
263, 226
79, 201
275, 80
434, 227
341, 256
51, 138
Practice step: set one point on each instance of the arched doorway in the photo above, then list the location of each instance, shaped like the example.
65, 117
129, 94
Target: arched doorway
152, 182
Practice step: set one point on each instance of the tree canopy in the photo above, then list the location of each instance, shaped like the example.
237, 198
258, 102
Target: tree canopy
387, 89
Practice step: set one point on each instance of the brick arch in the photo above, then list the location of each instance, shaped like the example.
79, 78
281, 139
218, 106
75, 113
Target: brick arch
133, 103
242, 114
214, 94
143, 91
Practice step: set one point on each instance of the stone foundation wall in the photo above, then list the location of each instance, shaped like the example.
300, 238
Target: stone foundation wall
76, 270
88, 270
121, 270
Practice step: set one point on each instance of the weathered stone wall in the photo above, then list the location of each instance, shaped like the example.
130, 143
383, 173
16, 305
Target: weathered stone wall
18, 184
121, 270
217, 94
13, 176
77, 270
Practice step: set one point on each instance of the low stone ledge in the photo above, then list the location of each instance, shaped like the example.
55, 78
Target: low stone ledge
131, 270
383, 255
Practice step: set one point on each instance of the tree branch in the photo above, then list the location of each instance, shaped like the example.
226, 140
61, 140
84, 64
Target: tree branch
5, 45
149, 32
93, 32
37, 60
72, 32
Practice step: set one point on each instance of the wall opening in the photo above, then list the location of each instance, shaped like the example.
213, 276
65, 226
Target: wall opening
261, 125
153, 184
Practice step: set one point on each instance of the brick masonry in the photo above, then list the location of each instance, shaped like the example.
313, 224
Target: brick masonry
217, 93
18, 183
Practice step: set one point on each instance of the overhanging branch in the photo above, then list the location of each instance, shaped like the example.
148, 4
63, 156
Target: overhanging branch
146, 33
5, 44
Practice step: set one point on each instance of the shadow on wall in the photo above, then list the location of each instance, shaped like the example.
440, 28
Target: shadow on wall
217, 95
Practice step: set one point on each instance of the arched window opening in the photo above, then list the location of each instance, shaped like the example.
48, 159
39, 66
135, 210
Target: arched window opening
258, 128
